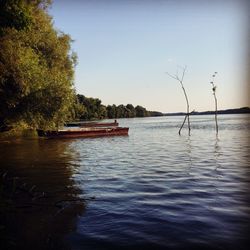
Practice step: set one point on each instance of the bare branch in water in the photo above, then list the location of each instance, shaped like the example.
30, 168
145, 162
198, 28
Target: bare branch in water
215, 100
180, 80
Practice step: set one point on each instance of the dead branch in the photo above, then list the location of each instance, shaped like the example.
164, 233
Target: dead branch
180, 80
215, 100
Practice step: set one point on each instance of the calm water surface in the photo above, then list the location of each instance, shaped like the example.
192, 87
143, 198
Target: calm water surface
152, 189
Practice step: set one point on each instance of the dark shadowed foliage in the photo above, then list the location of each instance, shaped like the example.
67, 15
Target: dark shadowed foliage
36, 67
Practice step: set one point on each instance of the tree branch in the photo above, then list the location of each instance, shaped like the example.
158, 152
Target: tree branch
176, 77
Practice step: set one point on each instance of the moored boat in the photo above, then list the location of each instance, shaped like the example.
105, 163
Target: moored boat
92, 124
83, 132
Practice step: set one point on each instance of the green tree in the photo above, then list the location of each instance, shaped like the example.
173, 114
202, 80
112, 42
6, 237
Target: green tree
15, 14
93, 109
36, 67
120, 111
111, 111
141, 111
103, 112
130, 111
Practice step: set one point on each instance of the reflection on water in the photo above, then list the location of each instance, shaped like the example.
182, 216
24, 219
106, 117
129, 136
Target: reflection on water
216, 152
39, 197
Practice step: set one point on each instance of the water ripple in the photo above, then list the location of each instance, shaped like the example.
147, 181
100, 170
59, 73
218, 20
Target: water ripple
157, 189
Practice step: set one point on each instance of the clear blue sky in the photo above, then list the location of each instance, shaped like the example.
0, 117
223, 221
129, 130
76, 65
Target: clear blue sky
124, 48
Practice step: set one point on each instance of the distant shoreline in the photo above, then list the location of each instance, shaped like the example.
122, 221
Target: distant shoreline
244, 110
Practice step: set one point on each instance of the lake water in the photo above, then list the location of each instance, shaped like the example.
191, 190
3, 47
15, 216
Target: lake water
152, 189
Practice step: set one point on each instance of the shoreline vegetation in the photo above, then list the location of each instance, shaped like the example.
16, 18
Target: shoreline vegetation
93, 109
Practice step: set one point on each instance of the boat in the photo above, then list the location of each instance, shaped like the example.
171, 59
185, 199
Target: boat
83, 132
92, 124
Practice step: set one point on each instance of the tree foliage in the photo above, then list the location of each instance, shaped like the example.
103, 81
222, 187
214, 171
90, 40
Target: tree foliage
36, 67
93, 109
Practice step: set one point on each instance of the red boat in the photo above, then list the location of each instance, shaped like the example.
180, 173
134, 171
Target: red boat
93, 124
83, 132
101, 124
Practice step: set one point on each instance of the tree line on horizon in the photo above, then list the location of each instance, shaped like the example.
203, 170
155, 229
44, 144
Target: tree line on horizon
93, 109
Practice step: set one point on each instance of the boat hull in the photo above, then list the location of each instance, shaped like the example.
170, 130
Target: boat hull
111, 124
92, 124
84, 133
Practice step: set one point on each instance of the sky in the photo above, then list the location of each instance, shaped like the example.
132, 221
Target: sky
125, 48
